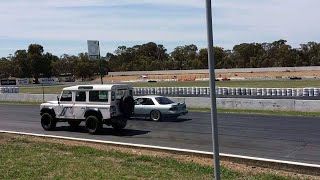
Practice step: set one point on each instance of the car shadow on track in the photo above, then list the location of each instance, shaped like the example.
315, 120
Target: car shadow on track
174, 120
104, 131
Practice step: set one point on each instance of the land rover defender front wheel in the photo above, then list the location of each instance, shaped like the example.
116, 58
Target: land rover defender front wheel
48, 122
93, 124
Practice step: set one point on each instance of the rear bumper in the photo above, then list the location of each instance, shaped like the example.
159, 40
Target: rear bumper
177, 113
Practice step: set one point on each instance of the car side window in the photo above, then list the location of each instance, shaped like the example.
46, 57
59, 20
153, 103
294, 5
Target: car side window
81, 96
98, 96
66, 96
147, 101
137, 101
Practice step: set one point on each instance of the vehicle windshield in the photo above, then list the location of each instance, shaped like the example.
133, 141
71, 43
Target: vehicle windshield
164, 100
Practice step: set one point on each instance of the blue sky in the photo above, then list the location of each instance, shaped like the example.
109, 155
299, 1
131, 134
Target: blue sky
64, 26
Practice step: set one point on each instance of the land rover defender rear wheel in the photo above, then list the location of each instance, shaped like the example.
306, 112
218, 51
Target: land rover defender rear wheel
119, 124
48, 122
93, 124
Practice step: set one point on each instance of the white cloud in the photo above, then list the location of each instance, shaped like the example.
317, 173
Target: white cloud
173, 21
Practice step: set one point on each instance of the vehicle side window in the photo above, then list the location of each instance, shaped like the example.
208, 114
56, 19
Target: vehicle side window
138, 101
81, 96
66, 96
147, 101
98, 96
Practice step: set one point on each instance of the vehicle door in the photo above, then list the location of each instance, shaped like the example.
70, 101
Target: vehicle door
100, 100
138, 107
80, 104
147, 106
66, 105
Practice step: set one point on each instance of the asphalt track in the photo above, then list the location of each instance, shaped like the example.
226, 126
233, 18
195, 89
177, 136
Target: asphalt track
274, 137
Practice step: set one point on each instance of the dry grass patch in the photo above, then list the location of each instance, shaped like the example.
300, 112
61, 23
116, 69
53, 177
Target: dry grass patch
117, 157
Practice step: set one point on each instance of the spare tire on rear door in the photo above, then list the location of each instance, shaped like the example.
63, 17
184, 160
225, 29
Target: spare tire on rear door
127, 105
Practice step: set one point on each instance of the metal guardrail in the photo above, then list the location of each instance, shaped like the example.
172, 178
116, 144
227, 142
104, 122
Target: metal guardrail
9, 89
228, 91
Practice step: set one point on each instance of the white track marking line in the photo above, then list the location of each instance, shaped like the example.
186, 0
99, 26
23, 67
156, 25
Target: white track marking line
166, 148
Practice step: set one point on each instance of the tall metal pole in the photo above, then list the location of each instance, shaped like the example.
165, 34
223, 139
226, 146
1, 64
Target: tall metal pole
42, 92
100, 70
214, 119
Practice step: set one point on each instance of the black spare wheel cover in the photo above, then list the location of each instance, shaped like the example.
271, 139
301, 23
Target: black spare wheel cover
127, 105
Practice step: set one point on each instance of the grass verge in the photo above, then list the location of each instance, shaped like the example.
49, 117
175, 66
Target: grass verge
23, 158
20, 102
241, 83
263, 112
40, 90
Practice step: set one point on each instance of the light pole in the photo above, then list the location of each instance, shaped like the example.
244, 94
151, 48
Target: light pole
100, 68
214, 119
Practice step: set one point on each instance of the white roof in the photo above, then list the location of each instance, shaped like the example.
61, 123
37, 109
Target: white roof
97, 87
149, 96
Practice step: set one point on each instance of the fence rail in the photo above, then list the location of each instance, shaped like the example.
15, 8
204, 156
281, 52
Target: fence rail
228, 91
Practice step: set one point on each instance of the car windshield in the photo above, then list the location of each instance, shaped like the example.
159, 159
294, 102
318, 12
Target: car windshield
164, 100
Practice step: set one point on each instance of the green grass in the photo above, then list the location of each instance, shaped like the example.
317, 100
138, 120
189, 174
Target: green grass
271, 83
244, 83
171, 84
22, 158
20, 102
40, 90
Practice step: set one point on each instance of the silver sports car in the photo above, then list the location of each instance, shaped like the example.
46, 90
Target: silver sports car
158, 107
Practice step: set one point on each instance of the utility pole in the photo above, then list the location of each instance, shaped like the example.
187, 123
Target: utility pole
100, 69
214, 118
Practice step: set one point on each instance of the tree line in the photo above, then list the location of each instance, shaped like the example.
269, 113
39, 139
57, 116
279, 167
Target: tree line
33, 62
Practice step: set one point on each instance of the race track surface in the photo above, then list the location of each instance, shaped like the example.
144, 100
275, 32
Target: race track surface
275, 137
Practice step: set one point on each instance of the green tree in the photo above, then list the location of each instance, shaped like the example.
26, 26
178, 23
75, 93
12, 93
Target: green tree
85, 68
5, 68
35, 55
22, 64
183, 56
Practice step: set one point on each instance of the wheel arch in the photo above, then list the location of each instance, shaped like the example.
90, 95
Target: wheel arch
49, 110
93, 112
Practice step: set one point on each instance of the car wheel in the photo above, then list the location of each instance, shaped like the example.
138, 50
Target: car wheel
155, 115
48, 122
93, 124
74, 123
119, 124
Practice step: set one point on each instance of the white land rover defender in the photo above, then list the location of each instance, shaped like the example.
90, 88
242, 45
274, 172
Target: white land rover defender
111, 104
